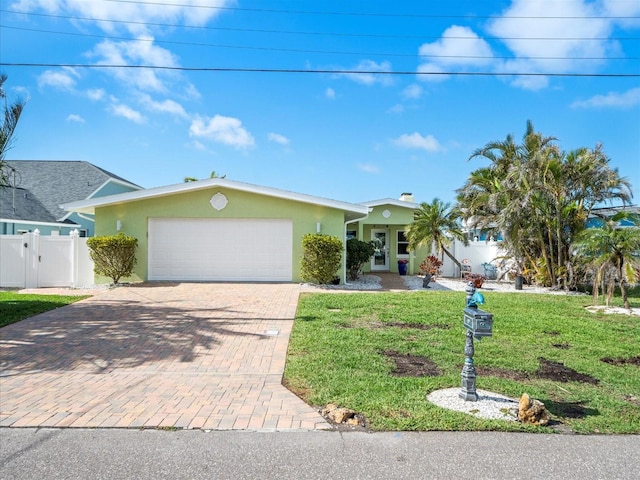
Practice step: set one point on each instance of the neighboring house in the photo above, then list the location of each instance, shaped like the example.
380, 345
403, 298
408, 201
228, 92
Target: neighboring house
38, 188
598, 214
223, 230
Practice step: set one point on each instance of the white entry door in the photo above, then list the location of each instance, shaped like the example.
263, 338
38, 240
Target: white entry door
380, 259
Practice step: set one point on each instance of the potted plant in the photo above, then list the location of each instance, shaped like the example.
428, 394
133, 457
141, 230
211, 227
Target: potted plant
477, 279
430, 268
402, 266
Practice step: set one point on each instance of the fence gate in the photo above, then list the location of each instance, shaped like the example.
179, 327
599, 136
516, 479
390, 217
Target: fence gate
31, 261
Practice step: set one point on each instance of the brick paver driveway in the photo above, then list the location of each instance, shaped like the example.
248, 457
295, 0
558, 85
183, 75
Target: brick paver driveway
207, 356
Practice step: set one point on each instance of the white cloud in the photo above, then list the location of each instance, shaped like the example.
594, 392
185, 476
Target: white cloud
166, 106
96, 94
225, 130
186, 11
417, 141
573, 37
277, 138
137, 53
121, 110
75, 118
412, 92
397, 108
330, 93
370, 75
64, 79
627, 99
367, 167
452, 53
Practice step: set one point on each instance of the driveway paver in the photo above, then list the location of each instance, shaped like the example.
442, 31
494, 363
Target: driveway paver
185, 355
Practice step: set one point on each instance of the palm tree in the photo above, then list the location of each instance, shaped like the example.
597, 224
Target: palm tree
612, 247
10, 117
436, 223
539, 197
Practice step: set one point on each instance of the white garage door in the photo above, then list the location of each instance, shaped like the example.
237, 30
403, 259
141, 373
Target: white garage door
203, 249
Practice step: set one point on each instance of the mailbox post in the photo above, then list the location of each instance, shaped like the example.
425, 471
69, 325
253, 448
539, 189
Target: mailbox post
478, 324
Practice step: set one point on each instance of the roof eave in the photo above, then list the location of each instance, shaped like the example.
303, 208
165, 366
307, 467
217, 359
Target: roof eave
89, 205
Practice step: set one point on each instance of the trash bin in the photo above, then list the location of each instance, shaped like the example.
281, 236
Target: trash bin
519, 280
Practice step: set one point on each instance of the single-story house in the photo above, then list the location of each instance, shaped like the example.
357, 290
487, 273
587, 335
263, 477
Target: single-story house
224, 230
38, 187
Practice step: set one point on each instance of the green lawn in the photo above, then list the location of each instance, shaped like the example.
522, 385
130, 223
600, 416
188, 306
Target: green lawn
18, 306
337, 344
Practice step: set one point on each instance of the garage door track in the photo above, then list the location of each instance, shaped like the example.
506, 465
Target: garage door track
205, 355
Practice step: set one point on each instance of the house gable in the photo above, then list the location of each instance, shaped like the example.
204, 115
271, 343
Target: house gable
48, 184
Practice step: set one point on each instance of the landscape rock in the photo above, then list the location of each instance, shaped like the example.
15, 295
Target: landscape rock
532, 411
340, 414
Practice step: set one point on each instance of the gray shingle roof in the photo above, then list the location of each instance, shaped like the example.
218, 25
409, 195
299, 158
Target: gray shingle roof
21, 204
52, 183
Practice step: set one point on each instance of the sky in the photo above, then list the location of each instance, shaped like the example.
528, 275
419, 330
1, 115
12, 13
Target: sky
350, 100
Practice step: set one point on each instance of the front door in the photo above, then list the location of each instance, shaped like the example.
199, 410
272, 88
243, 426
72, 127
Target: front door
380, 260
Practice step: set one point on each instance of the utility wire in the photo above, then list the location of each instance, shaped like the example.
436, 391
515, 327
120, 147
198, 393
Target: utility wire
295, 50
369, 14
322, 71
299, 32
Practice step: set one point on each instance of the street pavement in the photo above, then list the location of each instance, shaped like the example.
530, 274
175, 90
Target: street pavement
28, 453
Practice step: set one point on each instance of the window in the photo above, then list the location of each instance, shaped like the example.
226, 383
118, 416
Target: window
351, 234
402, 244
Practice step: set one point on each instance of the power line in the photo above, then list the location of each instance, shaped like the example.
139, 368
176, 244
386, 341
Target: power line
295, 50
321, 71
370, 14
299, 32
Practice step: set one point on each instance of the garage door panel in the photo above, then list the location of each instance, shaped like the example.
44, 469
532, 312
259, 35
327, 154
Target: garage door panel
220, 249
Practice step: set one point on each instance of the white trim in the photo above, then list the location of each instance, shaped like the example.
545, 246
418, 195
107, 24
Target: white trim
89, 205
31, 222
391, 201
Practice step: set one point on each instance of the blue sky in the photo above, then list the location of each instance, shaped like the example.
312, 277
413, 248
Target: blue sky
352, 136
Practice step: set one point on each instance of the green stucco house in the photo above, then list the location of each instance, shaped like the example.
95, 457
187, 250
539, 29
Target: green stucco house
224, 230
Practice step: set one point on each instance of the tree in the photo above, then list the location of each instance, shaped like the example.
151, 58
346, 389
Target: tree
436, 223
538, 198
194, 179
10, 117
358, 253
612, 247
321, 257
113, 256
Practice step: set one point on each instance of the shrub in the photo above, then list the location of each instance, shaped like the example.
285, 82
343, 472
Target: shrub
358, 253
113, 256
321, 257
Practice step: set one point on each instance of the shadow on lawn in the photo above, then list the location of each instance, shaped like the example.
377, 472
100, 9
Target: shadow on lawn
123, 329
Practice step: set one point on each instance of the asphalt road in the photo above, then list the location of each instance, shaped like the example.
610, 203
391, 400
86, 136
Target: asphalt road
194, 454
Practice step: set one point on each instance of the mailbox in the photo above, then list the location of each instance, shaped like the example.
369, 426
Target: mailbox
478, 322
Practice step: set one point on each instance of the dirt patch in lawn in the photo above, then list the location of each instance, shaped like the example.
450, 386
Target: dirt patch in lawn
548, 370
622, 361
408, 365
418, 326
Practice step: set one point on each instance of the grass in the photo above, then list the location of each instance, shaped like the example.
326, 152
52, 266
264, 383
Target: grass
18, 306
337, 344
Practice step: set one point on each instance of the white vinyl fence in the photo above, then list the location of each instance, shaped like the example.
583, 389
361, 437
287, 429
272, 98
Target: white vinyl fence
32, 261
477, 253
